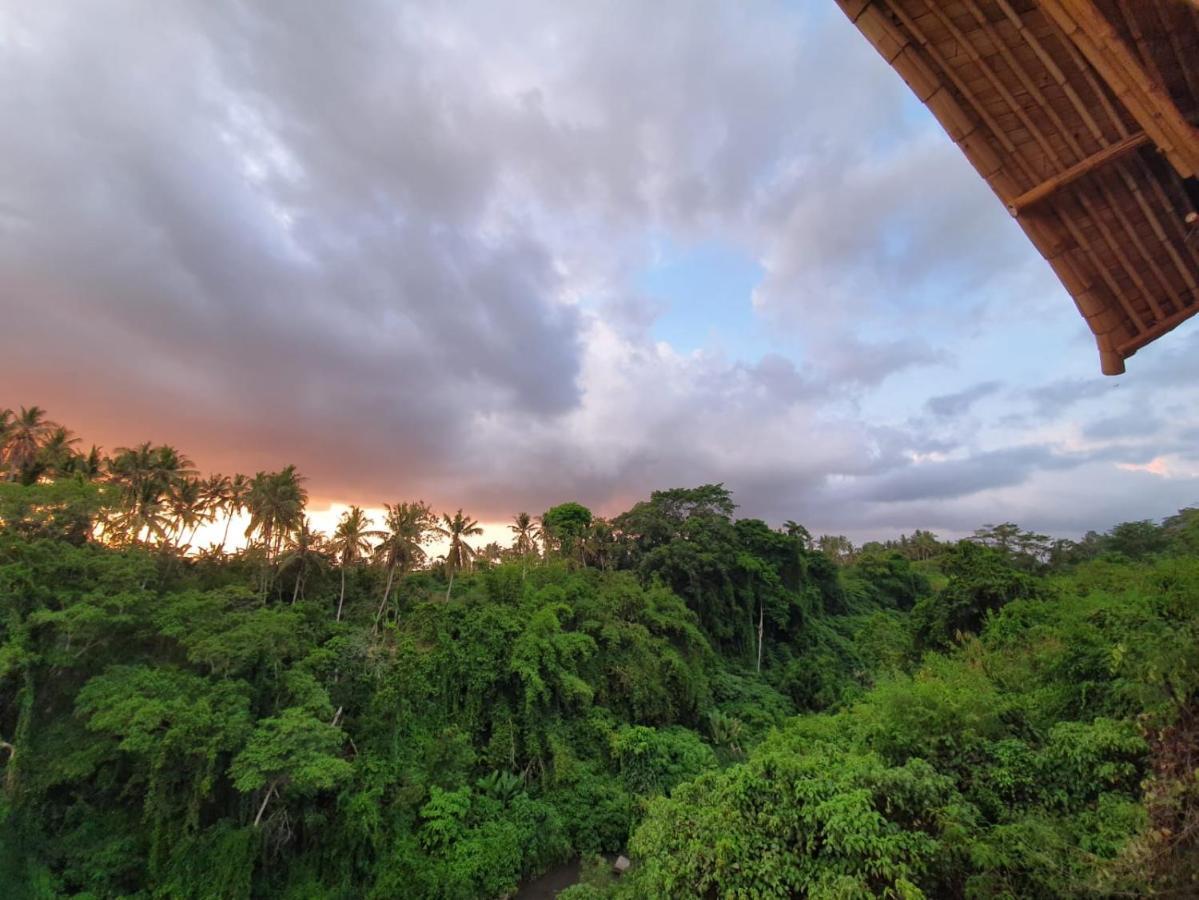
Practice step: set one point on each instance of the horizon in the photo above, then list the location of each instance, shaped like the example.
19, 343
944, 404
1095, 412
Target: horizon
499, 261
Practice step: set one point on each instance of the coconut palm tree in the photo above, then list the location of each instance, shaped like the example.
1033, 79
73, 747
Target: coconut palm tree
490, 553
88, 466
598, 544
407, 529
791, 528
146, 475
188, 503
216, 491
276, 502
460, 553
236, 492
351, 542
305, 552
526, 532
54, 457
148, 519
24, 435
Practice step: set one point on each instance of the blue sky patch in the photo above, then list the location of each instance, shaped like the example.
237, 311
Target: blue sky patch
708, 289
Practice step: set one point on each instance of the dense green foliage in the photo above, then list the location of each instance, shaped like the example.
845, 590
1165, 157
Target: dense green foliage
745, 711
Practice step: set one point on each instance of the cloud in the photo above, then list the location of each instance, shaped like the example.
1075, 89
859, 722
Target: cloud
1053, 399
945, 406
398, 245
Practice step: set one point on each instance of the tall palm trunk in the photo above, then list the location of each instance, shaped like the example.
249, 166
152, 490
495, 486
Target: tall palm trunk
450, 586
386, 596
761, 622
225, 536
295, 591
342, 598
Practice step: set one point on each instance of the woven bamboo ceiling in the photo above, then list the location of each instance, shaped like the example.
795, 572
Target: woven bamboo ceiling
1081, 115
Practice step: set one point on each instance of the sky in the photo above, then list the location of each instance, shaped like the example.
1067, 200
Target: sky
499, 256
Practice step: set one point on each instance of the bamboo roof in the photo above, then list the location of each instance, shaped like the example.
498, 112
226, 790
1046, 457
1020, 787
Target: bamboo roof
1081, 115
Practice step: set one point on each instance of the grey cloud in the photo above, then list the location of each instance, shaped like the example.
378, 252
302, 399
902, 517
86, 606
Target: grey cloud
343, 237
970, 475
1052, 399
956, 404
859, 362
1131, 423
393, 243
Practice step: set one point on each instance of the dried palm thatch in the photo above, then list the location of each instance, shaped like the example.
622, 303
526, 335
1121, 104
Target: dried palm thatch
1081, 115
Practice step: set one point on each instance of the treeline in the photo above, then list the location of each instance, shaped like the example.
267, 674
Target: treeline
745, 710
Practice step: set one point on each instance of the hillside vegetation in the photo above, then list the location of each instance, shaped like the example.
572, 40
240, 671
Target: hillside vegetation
744, 711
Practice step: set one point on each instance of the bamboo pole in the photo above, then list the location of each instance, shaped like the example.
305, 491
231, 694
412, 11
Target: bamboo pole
1056, 182
1145, 99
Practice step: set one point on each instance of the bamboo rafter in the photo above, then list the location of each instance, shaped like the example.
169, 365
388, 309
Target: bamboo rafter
1080, 116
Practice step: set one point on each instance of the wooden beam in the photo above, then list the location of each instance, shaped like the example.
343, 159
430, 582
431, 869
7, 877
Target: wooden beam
1144, 98
1055, 182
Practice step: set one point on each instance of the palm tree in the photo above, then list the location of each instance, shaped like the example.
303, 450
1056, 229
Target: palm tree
351, 542
24, 436
460, 554
791, 528
525, 543
236, 491
490, 553
276, 503
54, 457
598, 544
305, 549
149, 518
836, 547
146, 475
88, 466
408, 526
189, 506
924, 544
549, 543
216, 491
6, 422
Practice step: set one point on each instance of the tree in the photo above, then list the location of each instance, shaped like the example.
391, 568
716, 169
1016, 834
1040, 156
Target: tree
981, 581
407, 527
490, 553
524, 543
294, 750
54, 457
276, 502
599, 542
189, 507
565, 525
793, 529
88, 466
6, 421
24, 434
923, 545
305, 553
175, 725
235, 494
459, 555
146, 474
351, 542
836, 547
1138, 540
1182, 531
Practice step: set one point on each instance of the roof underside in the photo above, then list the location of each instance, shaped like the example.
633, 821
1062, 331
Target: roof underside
1081, 115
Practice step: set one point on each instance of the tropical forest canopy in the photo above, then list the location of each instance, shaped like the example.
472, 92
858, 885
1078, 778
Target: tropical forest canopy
745, 711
